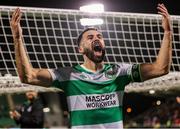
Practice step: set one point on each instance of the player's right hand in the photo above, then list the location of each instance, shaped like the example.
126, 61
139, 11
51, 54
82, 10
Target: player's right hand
15, 24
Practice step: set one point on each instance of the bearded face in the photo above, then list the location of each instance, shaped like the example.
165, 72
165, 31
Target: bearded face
92, 46
96, 53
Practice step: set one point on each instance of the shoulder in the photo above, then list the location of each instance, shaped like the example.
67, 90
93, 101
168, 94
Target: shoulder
118, 66
64, 69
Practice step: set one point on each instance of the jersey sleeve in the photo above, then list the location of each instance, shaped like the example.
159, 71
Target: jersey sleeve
60, 75
131, 70
56, 77
54, 74
135, 73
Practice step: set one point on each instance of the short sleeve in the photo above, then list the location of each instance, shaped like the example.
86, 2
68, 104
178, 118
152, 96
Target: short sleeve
136, 73
53, 73
60, 76
131, 70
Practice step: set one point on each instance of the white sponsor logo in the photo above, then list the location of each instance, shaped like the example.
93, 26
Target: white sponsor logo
101, 101
94, 101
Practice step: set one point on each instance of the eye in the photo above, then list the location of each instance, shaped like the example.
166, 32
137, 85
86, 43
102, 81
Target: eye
100, 36
90, 36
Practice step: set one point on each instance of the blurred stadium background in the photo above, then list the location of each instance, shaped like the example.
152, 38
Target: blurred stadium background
50, 40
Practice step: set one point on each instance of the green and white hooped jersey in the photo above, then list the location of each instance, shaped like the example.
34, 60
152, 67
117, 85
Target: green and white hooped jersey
95, 99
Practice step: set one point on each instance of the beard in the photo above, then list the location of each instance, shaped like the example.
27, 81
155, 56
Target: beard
91, 55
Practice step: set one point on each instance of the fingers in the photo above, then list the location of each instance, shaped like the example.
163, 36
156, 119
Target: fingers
16, 16
162, 6
166, 17
162, 10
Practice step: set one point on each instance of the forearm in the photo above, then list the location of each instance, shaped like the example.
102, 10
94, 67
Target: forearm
25, 70
163, 62
164, 58
18, 60
165, 54
23, 65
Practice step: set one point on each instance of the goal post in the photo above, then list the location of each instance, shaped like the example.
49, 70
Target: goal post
50, 40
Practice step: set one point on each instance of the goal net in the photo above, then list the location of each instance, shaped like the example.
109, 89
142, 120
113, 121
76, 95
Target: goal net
50, 40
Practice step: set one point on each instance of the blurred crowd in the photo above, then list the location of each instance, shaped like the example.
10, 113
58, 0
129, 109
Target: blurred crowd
166, 115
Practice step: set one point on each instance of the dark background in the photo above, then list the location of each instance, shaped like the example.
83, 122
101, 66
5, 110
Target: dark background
137, 102
135, 6
138, 6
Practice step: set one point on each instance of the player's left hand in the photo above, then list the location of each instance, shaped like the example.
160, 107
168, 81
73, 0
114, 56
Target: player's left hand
166, 17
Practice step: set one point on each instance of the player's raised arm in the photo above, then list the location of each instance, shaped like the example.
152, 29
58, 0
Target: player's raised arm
26, 72
162, 64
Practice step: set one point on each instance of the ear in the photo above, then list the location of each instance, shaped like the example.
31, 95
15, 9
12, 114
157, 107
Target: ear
81, 49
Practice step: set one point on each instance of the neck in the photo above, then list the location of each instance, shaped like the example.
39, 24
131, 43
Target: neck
92, 66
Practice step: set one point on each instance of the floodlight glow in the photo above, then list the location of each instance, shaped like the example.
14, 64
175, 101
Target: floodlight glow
46, 109
92, 8
151, 91
91, 21
158, 102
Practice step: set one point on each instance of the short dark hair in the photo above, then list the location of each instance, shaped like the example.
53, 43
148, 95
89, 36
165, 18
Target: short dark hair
81, 34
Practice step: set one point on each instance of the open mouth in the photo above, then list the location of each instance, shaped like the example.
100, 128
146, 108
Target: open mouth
96, 53
97, 47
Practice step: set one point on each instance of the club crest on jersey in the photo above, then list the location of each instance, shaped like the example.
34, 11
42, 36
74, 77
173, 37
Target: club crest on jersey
112, 72
83, 76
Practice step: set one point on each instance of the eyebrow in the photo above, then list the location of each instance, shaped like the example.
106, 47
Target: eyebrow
100, 35
93, 35
90, 35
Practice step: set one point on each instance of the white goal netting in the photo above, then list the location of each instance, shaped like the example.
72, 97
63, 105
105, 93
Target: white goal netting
50, 39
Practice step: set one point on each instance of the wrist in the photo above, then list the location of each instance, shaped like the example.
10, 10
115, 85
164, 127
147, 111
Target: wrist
17, 41
168, 32
17, 38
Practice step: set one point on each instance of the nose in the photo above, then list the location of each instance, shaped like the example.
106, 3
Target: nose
97, 42
96, 38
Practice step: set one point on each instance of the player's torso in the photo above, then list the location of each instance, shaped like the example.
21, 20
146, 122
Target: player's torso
94, 98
